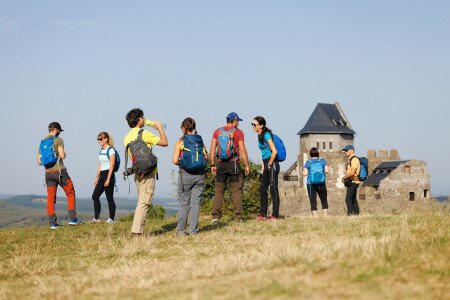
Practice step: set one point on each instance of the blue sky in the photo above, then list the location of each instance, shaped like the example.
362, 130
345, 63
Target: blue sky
86, 63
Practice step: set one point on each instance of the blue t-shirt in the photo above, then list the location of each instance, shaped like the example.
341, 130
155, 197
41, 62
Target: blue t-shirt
265, 149
308, 167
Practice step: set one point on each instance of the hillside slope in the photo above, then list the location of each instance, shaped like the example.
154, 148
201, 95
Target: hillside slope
370, 257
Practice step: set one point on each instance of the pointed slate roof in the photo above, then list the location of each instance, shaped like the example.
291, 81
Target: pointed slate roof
327, 118
382, 171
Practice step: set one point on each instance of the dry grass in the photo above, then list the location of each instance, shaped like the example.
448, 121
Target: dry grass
371, 257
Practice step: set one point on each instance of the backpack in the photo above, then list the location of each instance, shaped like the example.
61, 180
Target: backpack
226, 150
192, 158
281, 149
117, 159
144, 161
48, 155
317, 171
364, 167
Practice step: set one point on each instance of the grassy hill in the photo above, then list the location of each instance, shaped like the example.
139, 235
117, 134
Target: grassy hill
371, 257
30, 210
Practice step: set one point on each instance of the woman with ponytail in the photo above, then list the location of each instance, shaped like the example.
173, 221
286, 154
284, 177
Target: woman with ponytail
190, 155
105, 179
270, 169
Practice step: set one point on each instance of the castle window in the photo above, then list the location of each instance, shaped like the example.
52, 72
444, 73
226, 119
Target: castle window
331, 145
324, 145
425, 193
377, 196
318, 145
412, 196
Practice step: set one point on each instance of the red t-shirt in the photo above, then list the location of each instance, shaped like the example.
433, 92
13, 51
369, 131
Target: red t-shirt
238, 137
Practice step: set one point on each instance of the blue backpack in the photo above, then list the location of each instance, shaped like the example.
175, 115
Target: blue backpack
117, 163
226, 150
317, 171
281, 149
48, 155
364, 168
192, 158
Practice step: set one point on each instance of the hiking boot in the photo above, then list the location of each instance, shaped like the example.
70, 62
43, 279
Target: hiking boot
110, 221
94, 220
260, 218
54, 226
215, 222
75, 222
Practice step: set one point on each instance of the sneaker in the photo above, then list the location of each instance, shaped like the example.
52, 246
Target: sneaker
54, 226
260, 218
181, 233
272, 218
94, 220
75, 222
215, 222
110, 221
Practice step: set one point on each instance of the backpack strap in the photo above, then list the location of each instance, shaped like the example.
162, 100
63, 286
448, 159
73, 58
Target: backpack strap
139, 137
126, 163
107, 152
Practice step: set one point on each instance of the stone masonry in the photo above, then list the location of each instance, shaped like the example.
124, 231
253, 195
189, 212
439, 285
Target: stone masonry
397, 185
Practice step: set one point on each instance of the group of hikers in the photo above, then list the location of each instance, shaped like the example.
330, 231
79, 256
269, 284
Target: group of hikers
190, 154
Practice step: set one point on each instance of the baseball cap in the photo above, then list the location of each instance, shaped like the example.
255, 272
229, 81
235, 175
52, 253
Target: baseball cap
233, 116
55, 125
348, 147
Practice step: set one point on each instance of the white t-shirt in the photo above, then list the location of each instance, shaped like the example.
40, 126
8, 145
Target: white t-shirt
103, 158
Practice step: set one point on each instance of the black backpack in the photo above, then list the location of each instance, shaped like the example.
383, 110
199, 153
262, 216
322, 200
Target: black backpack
144, 161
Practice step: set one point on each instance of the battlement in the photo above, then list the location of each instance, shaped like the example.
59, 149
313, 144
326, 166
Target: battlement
383, 155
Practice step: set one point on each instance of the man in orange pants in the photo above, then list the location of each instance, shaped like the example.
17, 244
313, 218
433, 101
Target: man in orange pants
51, 154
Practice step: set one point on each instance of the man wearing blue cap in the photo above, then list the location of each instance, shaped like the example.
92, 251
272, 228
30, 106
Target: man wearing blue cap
227, 146
351, 180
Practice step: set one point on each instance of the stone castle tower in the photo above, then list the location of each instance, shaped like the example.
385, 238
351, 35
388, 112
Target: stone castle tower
329, 130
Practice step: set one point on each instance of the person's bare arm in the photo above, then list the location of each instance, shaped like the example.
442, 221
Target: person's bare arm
61, 152
274, 152
350, 173
112, 163
212, 155
177, 153
97, 175
244, 155
163, 142
305, 172
39, 159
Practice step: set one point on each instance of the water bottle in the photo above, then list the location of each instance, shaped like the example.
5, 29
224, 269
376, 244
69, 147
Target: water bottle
152, 124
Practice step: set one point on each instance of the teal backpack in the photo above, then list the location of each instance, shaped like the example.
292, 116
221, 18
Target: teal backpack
317, 171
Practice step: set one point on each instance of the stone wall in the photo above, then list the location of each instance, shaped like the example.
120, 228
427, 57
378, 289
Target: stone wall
392, 195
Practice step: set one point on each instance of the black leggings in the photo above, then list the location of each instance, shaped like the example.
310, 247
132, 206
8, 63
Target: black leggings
109, 191
269, 178
313, 191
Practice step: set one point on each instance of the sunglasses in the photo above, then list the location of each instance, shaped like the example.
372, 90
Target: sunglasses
254, 125
100, 139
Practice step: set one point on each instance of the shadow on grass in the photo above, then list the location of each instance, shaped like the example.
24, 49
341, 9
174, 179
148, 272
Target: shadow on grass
213, 227
164, 229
